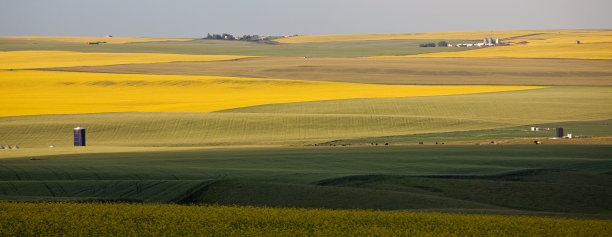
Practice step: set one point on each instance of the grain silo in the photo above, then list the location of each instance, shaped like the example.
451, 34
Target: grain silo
559, 132
79, 136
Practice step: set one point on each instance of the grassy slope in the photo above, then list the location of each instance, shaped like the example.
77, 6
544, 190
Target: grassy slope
520, 107
329, 49
307, 164
284, 177
313, 122
427, 71
538, 189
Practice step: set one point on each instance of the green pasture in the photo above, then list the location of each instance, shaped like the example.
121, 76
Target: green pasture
557, 179
200, 46
578, 129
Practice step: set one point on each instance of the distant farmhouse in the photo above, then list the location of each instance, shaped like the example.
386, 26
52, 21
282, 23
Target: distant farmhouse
486, 42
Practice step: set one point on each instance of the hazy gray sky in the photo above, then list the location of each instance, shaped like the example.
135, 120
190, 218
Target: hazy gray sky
195, 18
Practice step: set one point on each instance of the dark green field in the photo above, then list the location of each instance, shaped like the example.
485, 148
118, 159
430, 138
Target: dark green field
569, 180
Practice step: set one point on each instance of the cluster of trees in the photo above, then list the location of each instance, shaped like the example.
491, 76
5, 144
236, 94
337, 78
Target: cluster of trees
226, 36
250, 37
440, 44
428, 45
223, 36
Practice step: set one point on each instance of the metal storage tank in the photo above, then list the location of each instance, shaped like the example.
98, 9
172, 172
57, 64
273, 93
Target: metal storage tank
559, 132
79, 136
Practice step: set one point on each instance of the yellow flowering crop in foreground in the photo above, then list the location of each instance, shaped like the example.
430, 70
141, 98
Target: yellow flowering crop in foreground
48, 59
46, 92
109, 40
122, 219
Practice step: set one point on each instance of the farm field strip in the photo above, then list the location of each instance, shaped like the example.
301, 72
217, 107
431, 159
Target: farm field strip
579, 103
307, 165
100, 149
319, 121
214, 129
584, 132
47, 59
228, 47
566, 49
515, 35
594, 132
593, 45
410, 71
47, 92
458, 35
510, 177
158, 219
109, 40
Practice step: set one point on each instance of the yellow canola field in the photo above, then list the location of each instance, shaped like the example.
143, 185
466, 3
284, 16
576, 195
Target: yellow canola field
48, 59
595, 44
561, 44
511, 35
562, 50
124, 219
109, 40
42, 92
